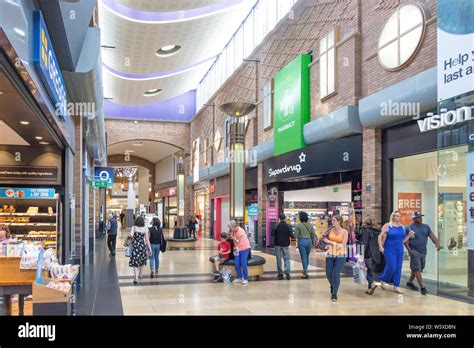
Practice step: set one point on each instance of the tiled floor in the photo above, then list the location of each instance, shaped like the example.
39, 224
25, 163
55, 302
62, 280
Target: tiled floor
185, 287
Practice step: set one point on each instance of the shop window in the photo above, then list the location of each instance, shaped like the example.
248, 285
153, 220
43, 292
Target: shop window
327, 63
401, 37
268, 105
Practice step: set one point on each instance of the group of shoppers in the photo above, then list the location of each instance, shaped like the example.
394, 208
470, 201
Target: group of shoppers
306, 239
383, 247
146, 244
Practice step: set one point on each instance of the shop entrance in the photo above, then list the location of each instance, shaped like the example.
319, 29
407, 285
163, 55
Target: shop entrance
321, 204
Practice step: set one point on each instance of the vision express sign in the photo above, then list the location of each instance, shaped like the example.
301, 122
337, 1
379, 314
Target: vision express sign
339, 155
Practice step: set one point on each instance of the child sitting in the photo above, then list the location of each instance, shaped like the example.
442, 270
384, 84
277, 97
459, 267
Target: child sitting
224, 250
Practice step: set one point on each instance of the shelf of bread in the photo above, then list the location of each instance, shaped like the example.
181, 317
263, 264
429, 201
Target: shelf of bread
51, 291
27, 214
29, 224
33, 211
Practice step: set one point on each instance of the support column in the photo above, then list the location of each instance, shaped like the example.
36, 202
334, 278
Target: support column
77, 231
372, 174
143, 186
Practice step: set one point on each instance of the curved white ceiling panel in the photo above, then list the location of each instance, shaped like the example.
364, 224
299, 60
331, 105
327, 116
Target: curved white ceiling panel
130, 91
135, 30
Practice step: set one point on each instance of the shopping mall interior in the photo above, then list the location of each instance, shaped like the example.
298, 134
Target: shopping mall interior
141, 138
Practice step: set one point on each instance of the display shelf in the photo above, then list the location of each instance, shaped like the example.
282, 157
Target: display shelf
27, 214
29, 224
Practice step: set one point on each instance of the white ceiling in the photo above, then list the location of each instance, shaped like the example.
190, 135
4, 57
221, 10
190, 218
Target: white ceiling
166, 5
152, 151
136, 42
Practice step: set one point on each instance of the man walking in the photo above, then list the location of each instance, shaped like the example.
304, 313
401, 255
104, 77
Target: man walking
282, 242
416, 247
112, 234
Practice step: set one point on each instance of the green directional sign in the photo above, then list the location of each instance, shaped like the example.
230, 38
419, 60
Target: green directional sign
99, 184
291, 108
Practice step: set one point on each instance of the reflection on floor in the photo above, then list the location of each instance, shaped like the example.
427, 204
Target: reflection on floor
185, 287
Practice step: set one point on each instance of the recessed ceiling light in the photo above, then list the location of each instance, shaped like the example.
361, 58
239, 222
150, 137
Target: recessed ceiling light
1, 92
39, 138
25, 122
136, 122
138, 144
168, 50
19, 31
152, 92
43, 143
129, 151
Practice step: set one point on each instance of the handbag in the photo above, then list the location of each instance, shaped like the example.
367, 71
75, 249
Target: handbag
163, 243
129, 250
321, 244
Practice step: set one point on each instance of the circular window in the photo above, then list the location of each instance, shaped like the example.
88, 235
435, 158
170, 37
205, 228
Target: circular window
401, 36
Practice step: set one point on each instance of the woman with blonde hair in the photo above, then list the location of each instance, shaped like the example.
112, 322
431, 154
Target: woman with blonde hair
336, 254
391, 241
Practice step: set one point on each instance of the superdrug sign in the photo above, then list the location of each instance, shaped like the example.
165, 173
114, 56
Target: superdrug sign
334, 156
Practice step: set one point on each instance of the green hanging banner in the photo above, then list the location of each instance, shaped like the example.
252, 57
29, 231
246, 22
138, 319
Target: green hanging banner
291, 110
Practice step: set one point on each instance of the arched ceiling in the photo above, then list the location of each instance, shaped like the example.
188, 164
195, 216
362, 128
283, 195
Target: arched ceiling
137, 29
152, 151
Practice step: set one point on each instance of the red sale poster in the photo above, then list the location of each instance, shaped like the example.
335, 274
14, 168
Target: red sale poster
407, 203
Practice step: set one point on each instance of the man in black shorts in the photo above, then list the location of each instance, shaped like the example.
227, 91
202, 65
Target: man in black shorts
416, 247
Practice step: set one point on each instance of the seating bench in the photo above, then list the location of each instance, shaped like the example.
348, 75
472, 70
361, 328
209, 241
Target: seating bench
254, 265
188, 243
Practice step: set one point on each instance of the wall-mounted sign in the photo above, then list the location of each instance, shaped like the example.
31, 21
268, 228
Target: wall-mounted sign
455, 48
340, 155
47, 65
103, 177
305, 205
445, 119
407, 203
252, 210
26, 193
168, 192
28, 173
291, 107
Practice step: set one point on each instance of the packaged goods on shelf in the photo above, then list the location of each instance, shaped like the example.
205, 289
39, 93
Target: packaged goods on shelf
50, 210
64, 272
61, 286
32, 210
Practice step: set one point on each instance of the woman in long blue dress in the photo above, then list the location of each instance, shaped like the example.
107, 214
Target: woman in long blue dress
391, 241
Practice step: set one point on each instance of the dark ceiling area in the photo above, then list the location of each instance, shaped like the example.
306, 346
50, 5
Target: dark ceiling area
14, 110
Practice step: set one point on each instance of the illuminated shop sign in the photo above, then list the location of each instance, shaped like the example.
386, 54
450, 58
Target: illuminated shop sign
47, 65
291, 107
445, 118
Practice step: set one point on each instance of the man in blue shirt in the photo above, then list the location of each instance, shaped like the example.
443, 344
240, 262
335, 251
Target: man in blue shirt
416, 247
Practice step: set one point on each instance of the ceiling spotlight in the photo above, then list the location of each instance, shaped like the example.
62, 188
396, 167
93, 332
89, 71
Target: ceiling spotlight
43, 143
152, 92
138, 144
127, 151
168, 50
39, 138
136, 122
25, 123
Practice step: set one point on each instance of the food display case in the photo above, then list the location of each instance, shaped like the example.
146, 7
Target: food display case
31, 214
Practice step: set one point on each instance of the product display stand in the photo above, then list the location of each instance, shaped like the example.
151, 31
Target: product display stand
48, 301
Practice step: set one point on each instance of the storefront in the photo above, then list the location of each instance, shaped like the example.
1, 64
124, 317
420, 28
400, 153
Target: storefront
35, 155
220, 206
323, 180
431, 171
202, 207
169, 206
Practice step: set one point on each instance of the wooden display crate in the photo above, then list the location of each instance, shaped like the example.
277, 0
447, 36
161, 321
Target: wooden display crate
49, 301
10, 271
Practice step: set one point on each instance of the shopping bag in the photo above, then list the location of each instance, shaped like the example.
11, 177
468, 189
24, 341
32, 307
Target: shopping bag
128, 250
226, 275
358, 273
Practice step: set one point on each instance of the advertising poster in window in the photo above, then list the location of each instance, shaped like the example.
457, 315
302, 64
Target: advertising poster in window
291, 105
407, 203
455, 48
470, 200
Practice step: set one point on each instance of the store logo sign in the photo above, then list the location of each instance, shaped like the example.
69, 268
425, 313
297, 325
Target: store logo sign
286, 169
445, 119
292, 105
47, 65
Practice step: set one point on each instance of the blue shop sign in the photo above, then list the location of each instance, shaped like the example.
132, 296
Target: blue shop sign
252, 210
104, 174
26, 193
47, 65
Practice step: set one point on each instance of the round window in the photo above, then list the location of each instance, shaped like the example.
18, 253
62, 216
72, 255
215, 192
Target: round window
401, 36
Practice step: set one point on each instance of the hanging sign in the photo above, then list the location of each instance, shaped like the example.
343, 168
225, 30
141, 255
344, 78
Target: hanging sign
26, 193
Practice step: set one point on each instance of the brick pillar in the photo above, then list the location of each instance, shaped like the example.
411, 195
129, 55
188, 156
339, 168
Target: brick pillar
262, 200
372, 174
76, 234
